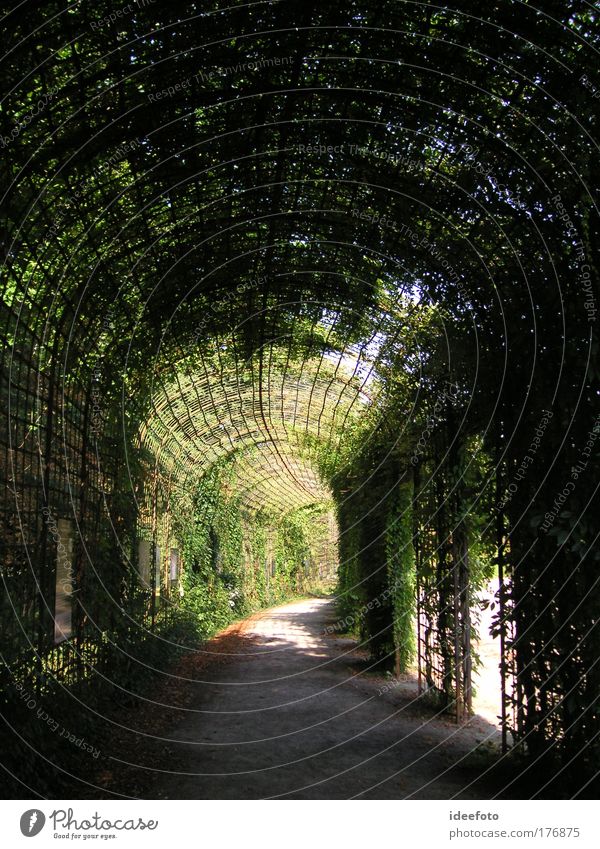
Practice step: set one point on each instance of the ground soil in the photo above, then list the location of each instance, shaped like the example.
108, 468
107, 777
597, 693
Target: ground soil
278, 707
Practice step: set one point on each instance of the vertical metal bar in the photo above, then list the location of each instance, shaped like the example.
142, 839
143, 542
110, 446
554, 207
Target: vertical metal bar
457, 645
466, 624
419, 638
78, 560
154, 544
417, 548
501, 607
44, 593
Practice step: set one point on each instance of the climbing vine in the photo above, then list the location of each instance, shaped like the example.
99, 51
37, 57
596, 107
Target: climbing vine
400, 555
236, 561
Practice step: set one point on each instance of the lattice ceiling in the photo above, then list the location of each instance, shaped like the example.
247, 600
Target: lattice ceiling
155, 208
269, 416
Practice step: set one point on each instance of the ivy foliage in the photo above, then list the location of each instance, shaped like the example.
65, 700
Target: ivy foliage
106, 194
237, 562
400, 556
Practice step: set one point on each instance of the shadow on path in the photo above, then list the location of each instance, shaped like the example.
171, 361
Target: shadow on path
290, 714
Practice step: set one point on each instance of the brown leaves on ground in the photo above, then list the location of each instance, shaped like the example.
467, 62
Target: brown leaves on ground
137, 741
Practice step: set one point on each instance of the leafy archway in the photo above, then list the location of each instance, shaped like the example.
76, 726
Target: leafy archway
380, 217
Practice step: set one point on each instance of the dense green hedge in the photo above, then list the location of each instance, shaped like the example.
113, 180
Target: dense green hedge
236, 562
401, 571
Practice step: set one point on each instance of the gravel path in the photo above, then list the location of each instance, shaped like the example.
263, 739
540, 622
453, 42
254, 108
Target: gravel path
294, 713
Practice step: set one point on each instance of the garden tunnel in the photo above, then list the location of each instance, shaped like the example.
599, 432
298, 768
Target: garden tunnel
297, 290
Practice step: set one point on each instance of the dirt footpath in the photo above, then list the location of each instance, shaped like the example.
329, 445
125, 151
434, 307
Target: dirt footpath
293, 712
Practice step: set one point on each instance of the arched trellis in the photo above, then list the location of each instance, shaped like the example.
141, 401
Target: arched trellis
125, 226
269, 436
